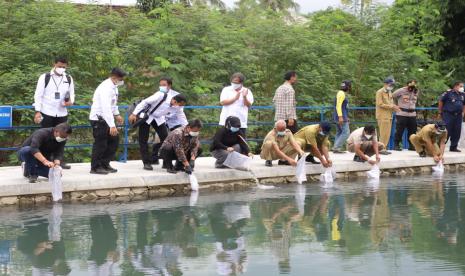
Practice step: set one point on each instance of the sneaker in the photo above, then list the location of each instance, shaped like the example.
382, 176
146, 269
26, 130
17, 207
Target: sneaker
148, 167
455, 150
268, 163
422, 154
338, 151
385, 152
33, 178
172, 170
220, 166
101, 171
397, 148
358, 159
283, 163
65, 166
311, 159
110, 169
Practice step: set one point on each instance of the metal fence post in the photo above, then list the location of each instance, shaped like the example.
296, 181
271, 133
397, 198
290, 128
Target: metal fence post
392, 141
322, 113
126, 139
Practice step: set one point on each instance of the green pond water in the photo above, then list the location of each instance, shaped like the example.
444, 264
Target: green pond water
399, 226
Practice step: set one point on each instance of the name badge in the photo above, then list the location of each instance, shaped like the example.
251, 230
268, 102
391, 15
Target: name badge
57, 95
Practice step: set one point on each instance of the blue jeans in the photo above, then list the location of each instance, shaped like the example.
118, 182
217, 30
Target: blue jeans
342, 133
32, 165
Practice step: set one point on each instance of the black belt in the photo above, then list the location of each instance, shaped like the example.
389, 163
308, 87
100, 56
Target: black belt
407, 110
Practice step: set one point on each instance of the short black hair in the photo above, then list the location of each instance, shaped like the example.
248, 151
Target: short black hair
196, 123
238, 75
369, 129
457, 83
61, 59
118, 72
180, 98
167, 79
233, 121
289, 75
64, 128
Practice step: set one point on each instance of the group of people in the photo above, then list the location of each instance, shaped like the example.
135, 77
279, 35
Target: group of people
179, 138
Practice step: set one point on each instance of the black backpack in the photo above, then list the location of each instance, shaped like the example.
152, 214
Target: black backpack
48, 76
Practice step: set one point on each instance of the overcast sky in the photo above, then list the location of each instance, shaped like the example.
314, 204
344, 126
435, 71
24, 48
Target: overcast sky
305, 5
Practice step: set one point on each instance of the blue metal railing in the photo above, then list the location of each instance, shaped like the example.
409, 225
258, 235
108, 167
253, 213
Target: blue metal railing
126, 127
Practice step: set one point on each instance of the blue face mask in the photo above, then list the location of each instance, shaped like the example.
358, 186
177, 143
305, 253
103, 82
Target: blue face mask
163, 89
234, 129
281, 133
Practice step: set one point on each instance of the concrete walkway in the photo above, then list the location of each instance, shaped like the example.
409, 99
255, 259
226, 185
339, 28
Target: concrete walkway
131, 175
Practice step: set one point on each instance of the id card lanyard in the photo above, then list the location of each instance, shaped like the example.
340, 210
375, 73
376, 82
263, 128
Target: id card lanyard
57, 93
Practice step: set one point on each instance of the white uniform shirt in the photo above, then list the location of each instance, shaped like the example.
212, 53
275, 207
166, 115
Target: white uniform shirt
44, 97
237, 108
104, 102
159, 116
176, 119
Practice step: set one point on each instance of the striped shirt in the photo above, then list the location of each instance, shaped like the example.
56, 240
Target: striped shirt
285, 103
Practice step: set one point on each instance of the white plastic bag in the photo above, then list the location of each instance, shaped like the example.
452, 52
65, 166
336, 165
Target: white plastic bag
193, 198
439, 168
462, 137
374, 172
300, 172
54, 222
194, 182
327, 176
54, 178
237, 161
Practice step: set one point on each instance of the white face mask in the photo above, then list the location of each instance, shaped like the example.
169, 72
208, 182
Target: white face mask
163, 89
60, 139
389, 88
236, 86
461, 89
120, 83
60, 71
322, 133
368, 136
194, 133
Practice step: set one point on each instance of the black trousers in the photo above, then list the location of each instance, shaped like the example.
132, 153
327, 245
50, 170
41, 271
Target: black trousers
294, 128
169, 155
50, 121
144, 133
105, 145
454, 127
402, 123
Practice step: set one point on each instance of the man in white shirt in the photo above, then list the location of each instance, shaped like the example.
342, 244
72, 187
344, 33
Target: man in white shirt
54, 92
236, 101
103, 113
163, 103
364, 143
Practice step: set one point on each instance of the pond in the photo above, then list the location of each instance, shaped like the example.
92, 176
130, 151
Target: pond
399, 226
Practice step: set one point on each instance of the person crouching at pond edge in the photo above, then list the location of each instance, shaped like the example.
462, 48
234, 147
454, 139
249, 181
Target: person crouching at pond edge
364, 143
43, 150
182, 145
314, 139
431, 141
228, 139
280, 144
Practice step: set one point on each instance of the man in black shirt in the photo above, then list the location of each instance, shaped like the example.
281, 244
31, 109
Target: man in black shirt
43, 150
228, 139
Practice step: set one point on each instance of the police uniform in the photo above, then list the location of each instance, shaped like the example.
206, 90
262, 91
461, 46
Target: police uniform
452, 110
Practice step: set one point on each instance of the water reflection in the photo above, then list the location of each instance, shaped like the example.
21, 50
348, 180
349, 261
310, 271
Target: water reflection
393, 226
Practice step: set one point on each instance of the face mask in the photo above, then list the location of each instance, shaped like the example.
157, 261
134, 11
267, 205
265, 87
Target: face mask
234, 129
281, 133
194, 133
60, 139
461, 89
389, 88
236, 86
369, 137
120, 83
163, 89
322, 133
60, 71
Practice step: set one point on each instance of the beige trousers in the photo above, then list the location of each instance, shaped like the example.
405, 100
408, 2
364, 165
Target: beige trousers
269, 154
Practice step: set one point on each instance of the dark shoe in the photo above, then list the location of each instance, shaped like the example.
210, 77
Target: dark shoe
268, 163
358, 159
110, 169
23, 167
220, 166
33, 178
338, 151
422, 154
178, 166
65, 166
172, 170
101, 171
455, 150
311, 159
385, 152
397, 148
164, 165
148, 167
283, 163
155, 162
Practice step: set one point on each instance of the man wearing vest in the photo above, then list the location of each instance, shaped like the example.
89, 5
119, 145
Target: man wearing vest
163, 103
54, 93
341, 116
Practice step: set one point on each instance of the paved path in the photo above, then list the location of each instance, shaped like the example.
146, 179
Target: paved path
131, 175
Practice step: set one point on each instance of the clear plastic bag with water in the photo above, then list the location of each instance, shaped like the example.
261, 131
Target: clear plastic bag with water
439, 168
194, 182
54, 178
300, 172
374, 173
237, 161
328, 176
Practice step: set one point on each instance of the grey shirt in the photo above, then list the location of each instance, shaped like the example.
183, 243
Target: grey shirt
406, 100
